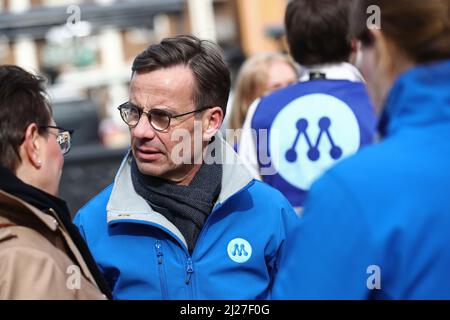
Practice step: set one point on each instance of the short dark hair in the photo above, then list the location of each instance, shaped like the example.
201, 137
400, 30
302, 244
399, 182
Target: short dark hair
23, 101
317, 31
211, 75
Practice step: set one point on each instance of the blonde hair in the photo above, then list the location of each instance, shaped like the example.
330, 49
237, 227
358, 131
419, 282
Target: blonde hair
251, 84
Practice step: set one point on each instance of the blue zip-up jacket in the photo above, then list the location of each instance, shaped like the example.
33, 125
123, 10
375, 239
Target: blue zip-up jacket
144, 256
378, 224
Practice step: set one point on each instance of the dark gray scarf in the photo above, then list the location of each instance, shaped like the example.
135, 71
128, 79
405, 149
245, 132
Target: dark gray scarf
187, 207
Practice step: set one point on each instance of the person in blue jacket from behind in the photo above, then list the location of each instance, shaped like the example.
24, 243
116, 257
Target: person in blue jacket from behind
184, 219
376, 226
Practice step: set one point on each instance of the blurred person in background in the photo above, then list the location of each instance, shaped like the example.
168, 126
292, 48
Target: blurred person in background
306, 128
376, 226
42, 255
200, 228
260, 75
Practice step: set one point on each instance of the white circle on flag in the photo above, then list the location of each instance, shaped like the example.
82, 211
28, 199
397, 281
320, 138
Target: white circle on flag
300, 163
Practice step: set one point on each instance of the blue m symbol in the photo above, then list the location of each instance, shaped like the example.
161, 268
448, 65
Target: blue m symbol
239, 250
313, 152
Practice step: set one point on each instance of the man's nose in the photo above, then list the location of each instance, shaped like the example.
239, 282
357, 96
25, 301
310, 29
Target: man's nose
143, 129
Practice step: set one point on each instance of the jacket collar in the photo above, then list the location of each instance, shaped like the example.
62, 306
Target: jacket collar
24, 205
30, 200
16, 212
125, 205
334, 71
10, 201
419, 97
43, 201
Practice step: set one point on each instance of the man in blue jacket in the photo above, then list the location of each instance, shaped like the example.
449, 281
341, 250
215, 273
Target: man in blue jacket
184, 219
293, 135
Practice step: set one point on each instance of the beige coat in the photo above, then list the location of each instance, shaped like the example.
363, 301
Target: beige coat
38, 260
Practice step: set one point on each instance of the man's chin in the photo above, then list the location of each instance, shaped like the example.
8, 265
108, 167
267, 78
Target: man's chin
150, 169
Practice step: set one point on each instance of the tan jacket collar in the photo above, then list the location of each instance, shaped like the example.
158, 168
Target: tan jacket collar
7, 200
16, 211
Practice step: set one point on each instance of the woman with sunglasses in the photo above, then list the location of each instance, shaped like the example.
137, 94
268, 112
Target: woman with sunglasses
42, 255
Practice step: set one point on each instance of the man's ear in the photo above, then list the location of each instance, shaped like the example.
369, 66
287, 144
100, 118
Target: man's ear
212, 120
31, 146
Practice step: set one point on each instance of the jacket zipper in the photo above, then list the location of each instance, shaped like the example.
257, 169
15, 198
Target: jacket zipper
189, 272
162, 273
189, 264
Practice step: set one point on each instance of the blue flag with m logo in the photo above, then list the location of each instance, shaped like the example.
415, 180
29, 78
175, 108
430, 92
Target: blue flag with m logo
310, 127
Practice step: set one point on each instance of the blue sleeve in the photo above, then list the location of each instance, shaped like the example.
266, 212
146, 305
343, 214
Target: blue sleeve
288, 220
326, 254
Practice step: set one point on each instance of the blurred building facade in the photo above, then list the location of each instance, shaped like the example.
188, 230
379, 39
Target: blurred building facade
86, 48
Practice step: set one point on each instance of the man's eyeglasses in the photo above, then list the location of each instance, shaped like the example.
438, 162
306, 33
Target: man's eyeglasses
158, 119
64, 137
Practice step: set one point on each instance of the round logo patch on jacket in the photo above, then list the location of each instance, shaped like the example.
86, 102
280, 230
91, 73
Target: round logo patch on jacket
239, 250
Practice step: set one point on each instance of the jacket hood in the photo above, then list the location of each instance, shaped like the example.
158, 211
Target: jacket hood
420, 97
